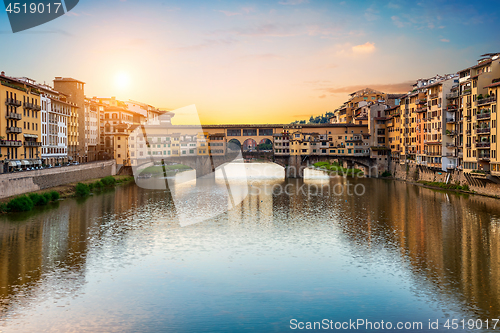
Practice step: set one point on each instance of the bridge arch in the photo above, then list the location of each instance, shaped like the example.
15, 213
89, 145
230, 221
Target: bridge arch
249, 144
233, 144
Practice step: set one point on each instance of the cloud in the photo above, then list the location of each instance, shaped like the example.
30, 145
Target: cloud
322, 96
397, 21
402, 87
371, 13
228, 13
444, 40
364, 48
207, 44
265, 56
248, 10
287, 30
293, 2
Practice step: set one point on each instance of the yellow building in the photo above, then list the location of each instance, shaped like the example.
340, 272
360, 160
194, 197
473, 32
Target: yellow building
490, 102
20, 125
346, 113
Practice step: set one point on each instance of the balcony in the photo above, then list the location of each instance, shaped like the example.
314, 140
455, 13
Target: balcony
451, 133
11, 129
452, 107
28, 106
432, 96
421, 101
484, 157
466, 92
450, 120
485, 130
433, 153
450, 145
468, 104
488, 100
37, 107
10, 143
451, 155
13, 115
485, 115
452, 95
12, 102
422, 109
483, 145
32, 144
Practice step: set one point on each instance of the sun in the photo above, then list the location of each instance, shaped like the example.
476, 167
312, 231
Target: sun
122, 80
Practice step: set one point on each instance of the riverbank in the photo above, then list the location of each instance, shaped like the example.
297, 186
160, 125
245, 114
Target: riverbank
337, 169
63, 191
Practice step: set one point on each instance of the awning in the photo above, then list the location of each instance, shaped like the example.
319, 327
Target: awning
70, 158
12, 163
30, 135
38, 162
24, 162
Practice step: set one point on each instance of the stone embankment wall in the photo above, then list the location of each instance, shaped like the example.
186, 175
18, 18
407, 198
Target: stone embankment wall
29, 181
413, 173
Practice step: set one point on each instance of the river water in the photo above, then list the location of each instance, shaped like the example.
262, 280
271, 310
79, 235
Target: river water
119, 261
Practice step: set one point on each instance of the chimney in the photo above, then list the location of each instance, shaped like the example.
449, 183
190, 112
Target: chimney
3, 73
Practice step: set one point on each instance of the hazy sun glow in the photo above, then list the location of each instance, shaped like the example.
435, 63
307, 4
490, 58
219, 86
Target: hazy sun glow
122, 81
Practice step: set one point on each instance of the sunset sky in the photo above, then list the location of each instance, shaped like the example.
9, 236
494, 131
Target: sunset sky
252, 61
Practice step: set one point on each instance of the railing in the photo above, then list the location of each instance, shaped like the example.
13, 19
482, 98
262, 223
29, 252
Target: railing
10, 143
485, 157
432, 96
13, 115
32, 144
421, 101
13, 102
450, 145
466, 92
452, 95
452, 107
451, 155
483, 145
450, 120
484, 130
11, 129
486, 100
28, 105
37, 107
483, 115
422, 109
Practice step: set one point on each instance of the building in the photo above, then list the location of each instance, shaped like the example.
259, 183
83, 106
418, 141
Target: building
74, 90
94, 113
56, 115
20, 126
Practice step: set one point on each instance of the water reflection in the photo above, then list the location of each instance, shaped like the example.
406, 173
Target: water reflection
403, 249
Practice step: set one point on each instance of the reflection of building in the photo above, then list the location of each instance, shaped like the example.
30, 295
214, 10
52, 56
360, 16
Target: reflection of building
20, 130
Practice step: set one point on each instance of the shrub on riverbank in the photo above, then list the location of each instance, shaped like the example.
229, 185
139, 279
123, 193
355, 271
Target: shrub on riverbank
82, 190
20, 204
386, 174
338, 169
55, 195
108, 181
27, 202
446, 186
38, 199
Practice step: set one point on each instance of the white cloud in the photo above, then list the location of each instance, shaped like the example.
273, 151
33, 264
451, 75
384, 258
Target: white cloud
293, 2
364, 48
444, 40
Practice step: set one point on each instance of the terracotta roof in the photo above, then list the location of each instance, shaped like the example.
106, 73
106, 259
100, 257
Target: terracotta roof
496, 84
482, 64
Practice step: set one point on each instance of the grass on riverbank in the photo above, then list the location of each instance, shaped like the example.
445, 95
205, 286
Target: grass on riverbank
337, 169
158, 169
28, 201
446, 186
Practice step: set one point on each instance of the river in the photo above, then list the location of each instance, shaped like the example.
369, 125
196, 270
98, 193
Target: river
119, 261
